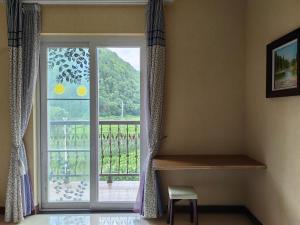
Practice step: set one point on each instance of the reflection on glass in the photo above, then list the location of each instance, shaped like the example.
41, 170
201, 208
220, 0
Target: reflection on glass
94, 219
69, 219
119, 219
68, 112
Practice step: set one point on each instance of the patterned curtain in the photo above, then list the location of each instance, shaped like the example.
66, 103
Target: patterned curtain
148, 202
23, 40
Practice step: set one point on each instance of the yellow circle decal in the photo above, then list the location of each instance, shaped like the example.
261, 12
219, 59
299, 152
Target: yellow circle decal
81, 91
59, 89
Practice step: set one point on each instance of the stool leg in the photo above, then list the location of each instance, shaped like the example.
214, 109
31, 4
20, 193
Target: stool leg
172, 212
169, 209
192, 211
195, 212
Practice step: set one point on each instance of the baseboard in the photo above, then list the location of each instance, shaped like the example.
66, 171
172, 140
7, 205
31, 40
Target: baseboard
252, 217
226, 209
34, 211
223, 209
234, 209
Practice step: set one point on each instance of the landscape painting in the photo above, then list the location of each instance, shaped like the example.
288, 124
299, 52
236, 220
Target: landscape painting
284, 74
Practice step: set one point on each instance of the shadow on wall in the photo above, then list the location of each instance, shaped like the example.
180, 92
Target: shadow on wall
267, 201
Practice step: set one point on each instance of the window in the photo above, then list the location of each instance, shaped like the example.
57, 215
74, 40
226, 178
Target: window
91, 121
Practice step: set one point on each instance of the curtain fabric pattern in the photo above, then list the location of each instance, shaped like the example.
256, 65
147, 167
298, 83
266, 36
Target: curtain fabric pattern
23, 40
148, 202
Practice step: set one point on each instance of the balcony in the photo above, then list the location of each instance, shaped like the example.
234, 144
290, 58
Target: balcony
69, 161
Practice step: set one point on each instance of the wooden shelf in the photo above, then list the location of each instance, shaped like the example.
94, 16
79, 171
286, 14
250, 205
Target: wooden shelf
206, 162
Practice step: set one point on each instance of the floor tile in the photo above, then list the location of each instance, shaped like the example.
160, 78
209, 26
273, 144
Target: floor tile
130, 219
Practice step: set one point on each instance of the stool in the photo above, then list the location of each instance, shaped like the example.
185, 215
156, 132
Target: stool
177, 193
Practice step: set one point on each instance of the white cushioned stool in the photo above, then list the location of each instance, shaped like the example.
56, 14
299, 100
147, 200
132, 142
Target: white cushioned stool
177, 193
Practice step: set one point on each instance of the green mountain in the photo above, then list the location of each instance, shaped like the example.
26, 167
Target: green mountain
119, 84
68, 70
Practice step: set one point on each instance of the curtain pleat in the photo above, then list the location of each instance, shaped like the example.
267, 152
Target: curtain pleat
148, 201
23, 40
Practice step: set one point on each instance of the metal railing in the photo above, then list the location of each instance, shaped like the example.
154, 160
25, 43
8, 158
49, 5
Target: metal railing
119, 149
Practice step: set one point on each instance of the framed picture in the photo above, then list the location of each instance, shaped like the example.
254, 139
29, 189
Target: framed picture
283, 66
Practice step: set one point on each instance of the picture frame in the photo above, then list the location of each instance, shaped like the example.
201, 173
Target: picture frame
283, 63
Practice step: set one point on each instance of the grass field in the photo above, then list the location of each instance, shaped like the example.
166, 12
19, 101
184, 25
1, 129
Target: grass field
69, 151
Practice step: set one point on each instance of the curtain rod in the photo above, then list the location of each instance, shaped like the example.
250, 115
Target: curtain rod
92, 34
89, 2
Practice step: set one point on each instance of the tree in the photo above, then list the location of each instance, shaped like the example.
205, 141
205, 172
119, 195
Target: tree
119, 82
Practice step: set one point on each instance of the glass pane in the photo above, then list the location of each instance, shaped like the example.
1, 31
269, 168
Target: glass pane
119, 123
68, 73
68, 111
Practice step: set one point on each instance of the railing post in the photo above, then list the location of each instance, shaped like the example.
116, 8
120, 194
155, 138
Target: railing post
136, 148
109, 180
119, 162
66, 153
119, 149
127, 148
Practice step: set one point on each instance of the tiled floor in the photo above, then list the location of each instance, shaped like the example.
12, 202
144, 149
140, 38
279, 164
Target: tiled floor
130, 219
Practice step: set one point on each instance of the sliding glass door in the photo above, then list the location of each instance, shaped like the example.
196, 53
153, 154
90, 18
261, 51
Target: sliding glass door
119, 123
91, 122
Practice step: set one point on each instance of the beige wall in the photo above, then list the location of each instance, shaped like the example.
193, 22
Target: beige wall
204, 107
272, 124
93, 19
205, 91
4, 114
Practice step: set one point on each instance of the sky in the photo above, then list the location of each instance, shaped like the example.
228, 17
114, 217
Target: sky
130, 55
289, 51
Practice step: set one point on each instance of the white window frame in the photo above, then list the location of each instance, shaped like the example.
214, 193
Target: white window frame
91, 42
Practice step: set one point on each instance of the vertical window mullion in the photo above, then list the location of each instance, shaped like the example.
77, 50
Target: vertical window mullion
43, 126
94, 125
